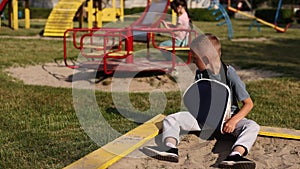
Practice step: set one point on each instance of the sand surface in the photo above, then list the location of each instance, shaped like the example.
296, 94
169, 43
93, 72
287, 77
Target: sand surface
194, 153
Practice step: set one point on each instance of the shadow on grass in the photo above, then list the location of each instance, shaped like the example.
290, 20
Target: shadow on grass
278, 55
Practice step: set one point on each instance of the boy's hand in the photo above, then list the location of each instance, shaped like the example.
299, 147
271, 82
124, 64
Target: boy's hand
229, 126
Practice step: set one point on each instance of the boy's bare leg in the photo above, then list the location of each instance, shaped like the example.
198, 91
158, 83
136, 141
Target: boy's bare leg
171, 142
239, 149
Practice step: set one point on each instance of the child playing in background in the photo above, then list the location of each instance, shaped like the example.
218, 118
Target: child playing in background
183, 21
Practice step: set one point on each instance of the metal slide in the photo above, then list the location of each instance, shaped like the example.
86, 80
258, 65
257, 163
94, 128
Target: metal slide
2, 5
61, 17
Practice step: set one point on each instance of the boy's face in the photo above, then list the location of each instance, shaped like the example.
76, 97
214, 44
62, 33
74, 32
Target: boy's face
206, 59
197, 61
206, 54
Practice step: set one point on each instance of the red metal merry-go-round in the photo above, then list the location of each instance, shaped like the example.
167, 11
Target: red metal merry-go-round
113, 49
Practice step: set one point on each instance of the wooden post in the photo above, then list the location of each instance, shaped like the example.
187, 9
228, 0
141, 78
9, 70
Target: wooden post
80, 17
10, 14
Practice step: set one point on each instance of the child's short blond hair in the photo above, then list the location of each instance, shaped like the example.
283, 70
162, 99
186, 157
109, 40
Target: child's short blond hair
204, 41
207, 48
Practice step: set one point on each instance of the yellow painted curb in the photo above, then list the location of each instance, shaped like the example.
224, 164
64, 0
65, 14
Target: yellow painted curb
119, 148
122, 146
279, 132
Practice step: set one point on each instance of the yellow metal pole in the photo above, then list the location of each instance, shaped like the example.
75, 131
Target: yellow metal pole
90, 14
15, 14
122, 10
114, 7
113, 4
258, 19
99, 14
27, 15
174, 16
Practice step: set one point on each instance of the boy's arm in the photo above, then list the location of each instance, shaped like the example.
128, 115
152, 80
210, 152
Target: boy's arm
230, 125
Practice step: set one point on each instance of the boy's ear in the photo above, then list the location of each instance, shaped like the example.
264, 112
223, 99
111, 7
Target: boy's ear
205, 60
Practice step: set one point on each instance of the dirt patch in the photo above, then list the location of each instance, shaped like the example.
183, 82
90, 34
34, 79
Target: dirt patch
58, 75
262, 39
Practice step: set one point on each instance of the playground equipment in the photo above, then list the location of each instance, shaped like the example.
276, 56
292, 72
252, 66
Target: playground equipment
13, 13
108, 49
277, 28
219, 9
277, 13
98, 11
111, 12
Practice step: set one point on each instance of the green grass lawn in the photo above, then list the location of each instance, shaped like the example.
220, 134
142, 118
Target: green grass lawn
39, 127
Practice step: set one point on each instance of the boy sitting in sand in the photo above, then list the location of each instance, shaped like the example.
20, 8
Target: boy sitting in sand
207, 57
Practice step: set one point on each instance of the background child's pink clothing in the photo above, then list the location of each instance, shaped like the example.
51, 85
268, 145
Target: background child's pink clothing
184, 21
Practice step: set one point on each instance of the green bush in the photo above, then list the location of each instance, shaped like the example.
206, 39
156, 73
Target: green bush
195, 14
35, 13
130, 11
202, 15
38, 13
198, 14
268, 15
